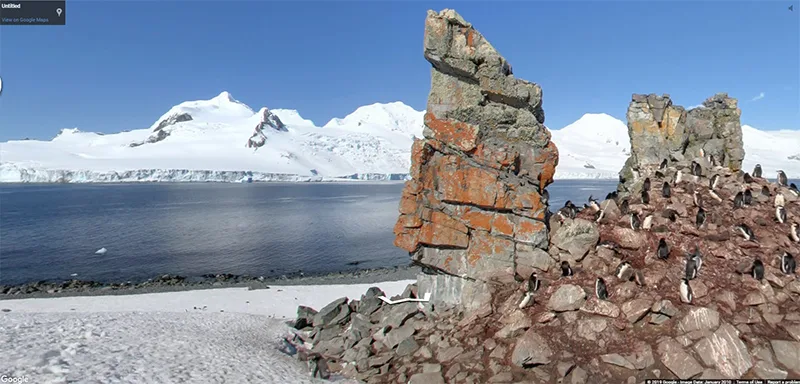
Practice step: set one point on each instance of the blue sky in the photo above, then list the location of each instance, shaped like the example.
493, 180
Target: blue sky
120, 65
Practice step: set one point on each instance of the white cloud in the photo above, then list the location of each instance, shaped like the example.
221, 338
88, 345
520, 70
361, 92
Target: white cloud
759, 97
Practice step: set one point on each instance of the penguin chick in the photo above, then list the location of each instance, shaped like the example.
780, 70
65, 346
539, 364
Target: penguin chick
600, 289
566, 270
757, 171
765, 191
663, 249
700, 219
624, 271
758, 269
666, 191
686, 291
678, 177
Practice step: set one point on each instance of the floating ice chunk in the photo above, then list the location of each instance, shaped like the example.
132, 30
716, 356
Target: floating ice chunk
101, 251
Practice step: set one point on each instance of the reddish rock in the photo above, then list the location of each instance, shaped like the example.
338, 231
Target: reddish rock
478, 174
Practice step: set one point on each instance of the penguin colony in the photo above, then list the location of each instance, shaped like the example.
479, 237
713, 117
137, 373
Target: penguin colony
707, 199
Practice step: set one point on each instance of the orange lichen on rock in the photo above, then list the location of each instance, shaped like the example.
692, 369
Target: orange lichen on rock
461, 135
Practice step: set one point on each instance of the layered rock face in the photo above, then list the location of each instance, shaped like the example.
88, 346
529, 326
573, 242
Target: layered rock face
268, 121
660, 130
474, 207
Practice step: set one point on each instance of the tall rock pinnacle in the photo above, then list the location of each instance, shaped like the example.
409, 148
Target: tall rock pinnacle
474, 207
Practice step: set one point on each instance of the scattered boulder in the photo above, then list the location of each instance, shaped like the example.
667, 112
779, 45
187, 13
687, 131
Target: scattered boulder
568, 297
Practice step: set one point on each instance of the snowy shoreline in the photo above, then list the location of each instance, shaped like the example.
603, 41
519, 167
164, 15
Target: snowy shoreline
168, 283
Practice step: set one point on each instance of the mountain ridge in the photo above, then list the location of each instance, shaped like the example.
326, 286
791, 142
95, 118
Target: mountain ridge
223, 136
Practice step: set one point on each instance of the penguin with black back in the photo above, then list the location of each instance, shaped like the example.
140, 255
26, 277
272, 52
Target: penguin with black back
788, 263
747, 178
758, 269
663, 249
757, 171
646, 184
666, 191
782, 179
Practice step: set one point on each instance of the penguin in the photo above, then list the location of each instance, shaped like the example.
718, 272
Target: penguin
691, 267
593, 203
780, 214
793, 189
788, 264
696, 199
566, 270
663, 249
686, 292
623, 271
712, 183
758, 269
711, 161
608, 244
748, 196
599, 215
533, 283
678, 177
648, 222
780, 200
645, 197
698, 258
765, 191
794, 232
746, 232
702, 152
666, 191
715, 196
663, 164
600, 289
738, 200
659, 175
623, 208
757, 171
646, 184
612, 195
747, 178
670, 214
526, 300
636, 223
696, 169
700, 219
782, 179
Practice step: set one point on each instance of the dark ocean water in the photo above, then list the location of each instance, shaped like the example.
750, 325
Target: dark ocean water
52, 231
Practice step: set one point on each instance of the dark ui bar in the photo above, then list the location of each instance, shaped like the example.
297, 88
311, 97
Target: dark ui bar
723, 381
28, 12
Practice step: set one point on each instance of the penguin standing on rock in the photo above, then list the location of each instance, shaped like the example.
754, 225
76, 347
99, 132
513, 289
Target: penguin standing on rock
624, 271
748, 196
663, 249
696, 169
700, 219
758, 269
533, 283
663, 165
531, 286
600, 289
666, 191
678, 177
691, 267
780, 214
593, 203
686, 291
646, 184
698, 258
712, 183
648, 222
738, 200
645, 197
782, 179
765, 191
636, 224
747, 178
566, 270
788, 264
746, 232
757, 171
794, 232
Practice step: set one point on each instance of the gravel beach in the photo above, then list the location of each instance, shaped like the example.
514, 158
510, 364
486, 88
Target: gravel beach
171, 283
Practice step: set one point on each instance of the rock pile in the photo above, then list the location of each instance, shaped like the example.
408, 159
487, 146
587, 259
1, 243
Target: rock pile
660, 130
475, 209
656, 282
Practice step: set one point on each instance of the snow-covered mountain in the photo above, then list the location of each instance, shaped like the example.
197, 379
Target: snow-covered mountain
222, 139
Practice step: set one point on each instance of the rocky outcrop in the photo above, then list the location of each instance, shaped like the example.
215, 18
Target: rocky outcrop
268, 121
475, 204
662, 131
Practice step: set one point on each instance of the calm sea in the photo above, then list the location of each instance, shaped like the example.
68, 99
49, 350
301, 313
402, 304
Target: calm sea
53, 231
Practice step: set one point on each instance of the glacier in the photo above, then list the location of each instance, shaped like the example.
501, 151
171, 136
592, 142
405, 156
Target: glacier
224, 140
